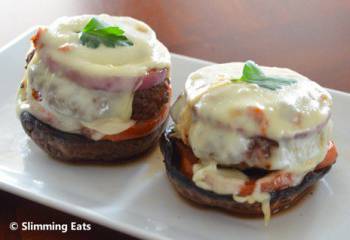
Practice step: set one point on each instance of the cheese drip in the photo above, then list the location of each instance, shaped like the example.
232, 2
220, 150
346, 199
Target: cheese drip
69, 107
262, 198
229, 181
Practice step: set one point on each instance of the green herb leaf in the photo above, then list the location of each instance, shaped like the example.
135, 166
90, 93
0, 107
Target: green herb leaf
252, 73
96, 32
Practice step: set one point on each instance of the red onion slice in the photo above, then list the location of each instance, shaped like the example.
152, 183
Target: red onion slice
109, 84
152, 78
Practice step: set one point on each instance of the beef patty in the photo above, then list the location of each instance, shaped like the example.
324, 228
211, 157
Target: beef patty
148, 103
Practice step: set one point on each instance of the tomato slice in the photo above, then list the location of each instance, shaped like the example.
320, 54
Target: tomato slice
141, 128
330, 158
247, 188
188, 159
283, 179
36, 38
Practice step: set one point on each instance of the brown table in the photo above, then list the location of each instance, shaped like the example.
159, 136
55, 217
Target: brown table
312, 37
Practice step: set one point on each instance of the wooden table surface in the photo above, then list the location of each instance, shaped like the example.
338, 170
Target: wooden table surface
311, 37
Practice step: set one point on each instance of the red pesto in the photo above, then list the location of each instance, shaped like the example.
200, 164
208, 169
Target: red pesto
36, 38
259, 117
188, 159
36, 95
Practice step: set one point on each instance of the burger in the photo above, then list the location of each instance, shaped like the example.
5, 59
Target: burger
95, 88
247, 139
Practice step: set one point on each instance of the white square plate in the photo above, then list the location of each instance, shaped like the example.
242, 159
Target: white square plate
137, 198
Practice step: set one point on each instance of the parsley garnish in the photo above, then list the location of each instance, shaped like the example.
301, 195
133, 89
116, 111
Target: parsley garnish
96, 32
252, 73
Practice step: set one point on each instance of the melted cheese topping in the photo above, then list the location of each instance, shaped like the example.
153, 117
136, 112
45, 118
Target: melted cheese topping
261, 197
69, 107
230, 147
132, 61
288, 111
229, 182
221, 181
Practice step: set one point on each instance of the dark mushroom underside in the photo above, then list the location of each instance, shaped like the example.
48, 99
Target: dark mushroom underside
77, 148
280, 200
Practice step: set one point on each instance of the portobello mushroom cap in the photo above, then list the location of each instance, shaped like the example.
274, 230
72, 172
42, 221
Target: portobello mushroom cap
78, 148
279, 201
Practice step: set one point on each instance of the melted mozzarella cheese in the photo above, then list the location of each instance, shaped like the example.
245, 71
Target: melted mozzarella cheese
230, 147
288, 111
229, 182
261, 197
302, 154
69, 107
131, 61
216, 144
221, 181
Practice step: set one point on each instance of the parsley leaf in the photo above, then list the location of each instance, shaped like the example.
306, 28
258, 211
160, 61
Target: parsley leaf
96, 32
252, 73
